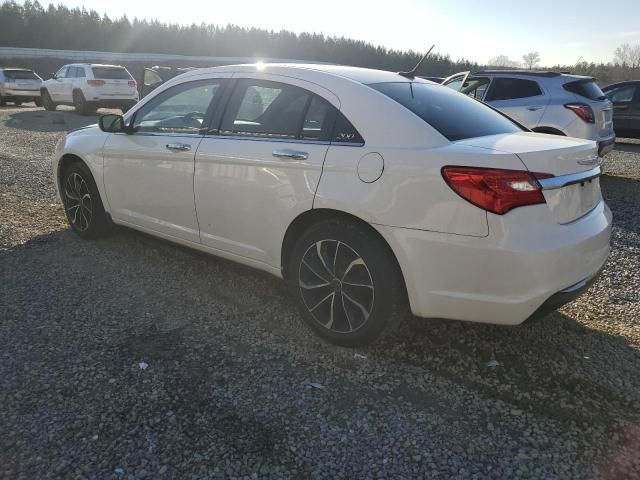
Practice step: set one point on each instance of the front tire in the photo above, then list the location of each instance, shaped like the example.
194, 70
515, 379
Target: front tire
82, 204
38, 102
346, 282
17, 103
47, 102
3, 102
80, 103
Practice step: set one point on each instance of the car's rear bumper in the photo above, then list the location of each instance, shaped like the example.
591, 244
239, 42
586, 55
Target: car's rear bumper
567, 295
605, 146
506, 277
114, 103
9, 93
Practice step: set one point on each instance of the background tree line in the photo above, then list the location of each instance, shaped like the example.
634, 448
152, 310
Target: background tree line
59, 27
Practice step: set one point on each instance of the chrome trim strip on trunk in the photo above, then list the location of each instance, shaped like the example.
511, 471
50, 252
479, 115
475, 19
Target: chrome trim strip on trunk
562, 181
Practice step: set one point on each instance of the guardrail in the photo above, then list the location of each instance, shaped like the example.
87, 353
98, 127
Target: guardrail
87, 56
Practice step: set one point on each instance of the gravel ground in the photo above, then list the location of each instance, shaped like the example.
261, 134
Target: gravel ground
236, 387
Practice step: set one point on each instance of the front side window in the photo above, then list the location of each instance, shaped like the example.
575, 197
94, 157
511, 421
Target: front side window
513, 88
454, 115
179, 110
265, 109
622, 94
62, 73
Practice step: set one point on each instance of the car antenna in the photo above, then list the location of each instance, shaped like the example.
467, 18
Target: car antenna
412, 73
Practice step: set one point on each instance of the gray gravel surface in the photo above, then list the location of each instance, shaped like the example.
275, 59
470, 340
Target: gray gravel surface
236, 387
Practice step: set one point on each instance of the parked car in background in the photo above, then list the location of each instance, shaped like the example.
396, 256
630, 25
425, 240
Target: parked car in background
19, 85
153, 77
370, 193
544, 102
625, 97
90, 86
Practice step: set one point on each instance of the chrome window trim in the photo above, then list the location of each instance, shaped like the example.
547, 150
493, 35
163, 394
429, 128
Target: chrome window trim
267, 139
154, 134
562, 181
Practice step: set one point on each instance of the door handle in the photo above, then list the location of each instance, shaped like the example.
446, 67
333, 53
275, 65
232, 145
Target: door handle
290, 154
533, 108
178, 147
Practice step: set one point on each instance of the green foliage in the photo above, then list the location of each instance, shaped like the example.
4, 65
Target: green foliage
58, 27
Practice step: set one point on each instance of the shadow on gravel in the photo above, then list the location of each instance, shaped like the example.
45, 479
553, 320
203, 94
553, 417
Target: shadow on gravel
627, 146
224, 344
61, 120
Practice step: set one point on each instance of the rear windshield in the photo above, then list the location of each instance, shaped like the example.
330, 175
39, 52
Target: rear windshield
20, 75
586, 88
451, 113
110, 73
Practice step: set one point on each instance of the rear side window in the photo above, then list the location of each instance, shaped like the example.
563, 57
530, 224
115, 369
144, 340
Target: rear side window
20, 75
585, 88
110, 73
265, 109
451, 113
513, 88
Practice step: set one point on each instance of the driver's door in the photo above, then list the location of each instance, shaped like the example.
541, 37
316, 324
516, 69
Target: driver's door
148, 174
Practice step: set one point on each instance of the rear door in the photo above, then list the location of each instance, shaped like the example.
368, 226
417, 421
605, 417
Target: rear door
261, 168
456, 80
524, 100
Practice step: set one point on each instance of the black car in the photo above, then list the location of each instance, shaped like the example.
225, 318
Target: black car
626, 108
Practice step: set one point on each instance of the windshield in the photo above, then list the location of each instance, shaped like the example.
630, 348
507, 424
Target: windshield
453, 114
110, 73
21, 75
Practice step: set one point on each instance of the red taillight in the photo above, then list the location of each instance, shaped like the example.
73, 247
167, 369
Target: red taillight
96, 83
584, 111
133, 83
493, 189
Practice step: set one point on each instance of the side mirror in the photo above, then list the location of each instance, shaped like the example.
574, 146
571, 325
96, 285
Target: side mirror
112, 123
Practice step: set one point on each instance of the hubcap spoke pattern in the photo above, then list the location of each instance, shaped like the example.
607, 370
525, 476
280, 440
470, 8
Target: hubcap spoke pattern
77, 202
336, 286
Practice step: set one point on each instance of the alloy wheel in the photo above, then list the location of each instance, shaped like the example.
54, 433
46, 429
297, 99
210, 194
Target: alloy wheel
336, 286
78, 202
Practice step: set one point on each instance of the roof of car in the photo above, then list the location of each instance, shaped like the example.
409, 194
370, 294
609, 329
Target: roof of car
621, 84
357, 74
529, 73
15, 69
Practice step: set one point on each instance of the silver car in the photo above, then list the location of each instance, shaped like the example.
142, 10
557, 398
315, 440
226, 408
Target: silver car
18, 85
544, 102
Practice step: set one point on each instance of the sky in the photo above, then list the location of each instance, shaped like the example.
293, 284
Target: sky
561, 31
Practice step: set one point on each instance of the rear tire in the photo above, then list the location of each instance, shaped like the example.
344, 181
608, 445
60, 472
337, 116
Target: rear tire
82, 204
17, 103
47, 102
38, 102
2, 101
80, 103
346, 282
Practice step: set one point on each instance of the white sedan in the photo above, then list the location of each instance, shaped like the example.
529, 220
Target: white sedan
371, 194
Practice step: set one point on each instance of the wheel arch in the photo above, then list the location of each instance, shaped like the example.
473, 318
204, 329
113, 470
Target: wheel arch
310, 217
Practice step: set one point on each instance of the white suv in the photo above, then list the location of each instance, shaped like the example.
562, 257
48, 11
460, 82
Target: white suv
544, 102
90, 86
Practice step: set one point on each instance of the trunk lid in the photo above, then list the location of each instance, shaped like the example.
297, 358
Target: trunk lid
560, 157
